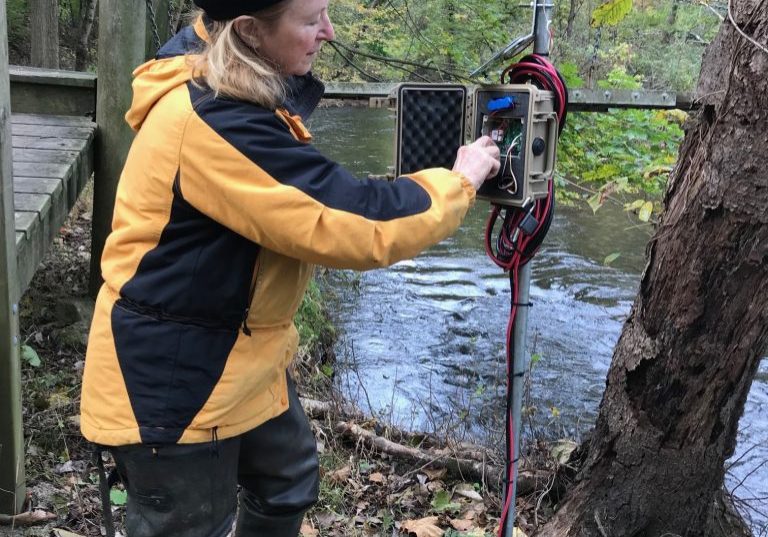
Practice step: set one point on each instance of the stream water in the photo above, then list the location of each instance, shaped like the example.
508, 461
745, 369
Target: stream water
423, 341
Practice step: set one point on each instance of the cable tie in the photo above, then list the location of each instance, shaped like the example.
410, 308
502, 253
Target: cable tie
523, 304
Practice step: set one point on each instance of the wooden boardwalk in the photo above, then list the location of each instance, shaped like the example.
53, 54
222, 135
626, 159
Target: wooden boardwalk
52, 161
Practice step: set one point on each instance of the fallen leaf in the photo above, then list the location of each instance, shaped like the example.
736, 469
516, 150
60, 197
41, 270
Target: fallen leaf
376, 477
467, 490
308, 531
327, 519
462, 525
340, 476
562, 449
437, 473
64, 533
58, 399
424, 527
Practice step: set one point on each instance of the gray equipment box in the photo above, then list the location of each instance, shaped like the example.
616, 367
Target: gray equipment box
433, 121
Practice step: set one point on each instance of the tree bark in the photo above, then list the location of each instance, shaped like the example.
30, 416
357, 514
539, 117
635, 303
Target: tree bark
88, 9
44, 33
691, 347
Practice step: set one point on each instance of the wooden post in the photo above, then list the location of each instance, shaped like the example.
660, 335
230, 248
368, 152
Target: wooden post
122, 41
12, 486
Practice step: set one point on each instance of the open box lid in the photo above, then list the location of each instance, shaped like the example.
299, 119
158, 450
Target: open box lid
430, 126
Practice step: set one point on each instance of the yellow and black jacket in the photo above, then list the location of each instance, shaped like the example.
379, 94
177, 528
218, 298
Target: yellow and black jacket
221, 212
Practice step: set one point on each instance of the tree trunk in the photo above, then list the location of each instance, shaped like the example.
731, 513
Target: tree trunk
88, 9
691, 347
669, 31
573, 10
44, 33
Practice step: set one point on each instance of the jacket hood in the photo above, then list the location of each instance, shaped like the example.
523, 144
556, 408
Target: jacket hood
152, 81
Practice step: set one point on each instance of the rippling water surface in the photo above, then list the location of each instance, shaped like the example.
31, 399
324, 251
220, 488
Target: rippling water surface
425, 338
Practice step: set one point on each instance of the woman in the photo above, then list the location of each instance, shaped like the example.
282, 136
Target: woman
221, 212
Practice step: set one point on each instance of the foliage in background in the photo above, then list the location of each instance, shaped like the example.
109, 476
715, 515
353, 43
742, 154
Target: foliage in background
648, 44
316, 331
661, 41
621, 151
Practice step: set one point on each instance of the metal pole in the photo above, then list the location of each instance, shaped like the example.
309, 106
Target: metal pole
520, 329
519, 366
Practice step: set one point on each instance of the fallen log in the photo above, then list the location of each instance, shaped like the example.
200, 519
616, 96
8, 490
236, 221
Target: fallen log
469, 470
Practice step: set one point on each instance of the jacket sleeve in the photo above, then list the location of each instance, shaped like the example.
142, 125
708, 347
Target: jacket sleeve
250, 174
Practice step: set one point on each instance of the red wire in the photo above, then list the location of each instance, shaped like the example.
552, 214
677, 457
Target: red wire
531, 68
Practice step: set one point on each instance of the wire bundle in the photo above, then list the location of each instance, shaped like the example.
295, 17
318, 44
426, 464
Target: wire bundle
538, 70
521, 234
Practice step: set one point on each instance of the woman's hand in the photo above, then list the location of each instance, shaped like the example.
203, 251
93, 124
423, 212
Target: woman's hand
478, 161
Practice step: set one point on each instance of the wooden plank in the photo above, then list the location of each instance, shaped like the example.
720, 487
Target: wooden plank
27, 263
46, 156
52, 120
36, 185
34, 142
27, 222
51, 156
42, 169
39, 203
83, 133
42, 99
55, 77
12, 479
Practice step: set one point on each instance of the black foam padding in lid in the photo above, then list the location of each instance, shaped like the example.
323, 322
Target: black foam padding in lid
430, 126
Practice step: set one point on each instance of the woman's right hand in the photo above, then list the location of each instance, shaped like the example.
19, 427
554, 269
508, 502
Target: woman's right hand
478, 161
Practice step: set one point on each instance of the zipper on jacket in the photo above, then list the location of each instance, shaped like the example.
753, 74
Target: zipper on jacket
251, 294
215, 442
159, 315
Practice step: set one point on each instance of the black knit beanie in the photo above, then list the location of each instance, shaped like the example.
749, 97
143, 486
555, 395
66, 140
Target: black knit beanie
222, 10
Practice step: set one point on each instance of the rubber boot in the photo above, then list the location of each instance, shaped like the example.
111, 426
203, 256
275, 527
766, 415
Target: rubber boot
278, 473
252, 521
179, 490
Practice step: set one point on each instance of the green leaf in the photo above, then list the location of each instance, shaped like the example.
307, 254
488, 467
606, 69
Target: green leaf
327, 370
29, 355
634, 206
611, 258
535, 359
442, 502
611, 13
595, 202
118, 497
645, 211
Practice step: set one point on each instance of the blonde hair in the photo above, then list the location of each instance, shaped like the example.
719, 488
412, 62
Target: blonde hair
233, 68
